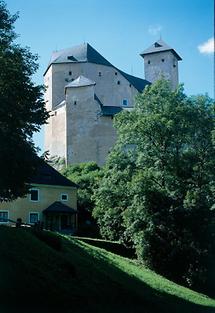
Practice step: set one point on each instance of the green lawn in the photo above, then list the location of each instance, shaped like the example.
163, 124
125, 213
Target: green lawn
67, 275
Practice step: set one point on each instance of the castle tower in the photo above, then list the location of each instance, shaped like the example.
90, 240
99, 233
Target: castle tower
161, 60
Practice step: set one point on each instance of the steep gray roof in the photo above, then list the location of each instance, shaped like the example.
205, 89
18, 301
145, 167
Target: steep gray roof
86, 53
59, 207
47, 175
107, 110
110, 110
137, 82
81, 81
81, 53
159, 46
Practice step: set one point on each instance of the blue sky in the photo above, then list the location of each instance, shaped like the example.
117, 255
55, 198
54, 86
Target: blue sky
120, 30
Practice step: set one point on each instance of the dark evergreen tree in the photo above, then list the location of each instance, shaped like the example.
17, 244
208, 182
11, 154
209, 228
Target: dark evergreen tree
22, 110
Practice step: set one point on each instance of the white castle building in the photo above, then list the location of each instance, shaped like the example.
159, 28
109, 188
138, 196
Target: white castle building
83, 93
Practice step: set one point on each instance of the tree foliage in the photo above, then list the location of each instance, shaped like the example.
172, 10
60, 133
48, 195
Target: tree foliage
158, 184
22, 110
87, 176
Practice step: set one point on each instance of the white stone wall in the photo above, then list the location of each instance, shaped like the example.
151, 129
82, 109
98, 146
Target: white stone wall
48, 103
55, 133
156, 68
89, 136
107, 88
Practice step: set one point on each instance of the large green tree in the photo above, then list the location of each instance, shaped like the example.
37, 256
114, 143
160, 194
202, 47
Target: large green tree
22, 110
157, 190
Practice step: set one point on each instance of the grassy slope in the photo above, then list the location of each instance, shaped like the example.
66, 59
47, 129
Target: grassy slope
83, 279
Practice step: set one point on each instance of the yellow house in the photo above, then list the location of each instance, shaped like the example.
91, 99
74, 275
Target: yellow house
52, 200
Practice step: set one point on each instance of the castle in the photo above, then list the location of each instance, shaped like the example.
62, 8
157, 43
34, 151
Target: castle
83, 93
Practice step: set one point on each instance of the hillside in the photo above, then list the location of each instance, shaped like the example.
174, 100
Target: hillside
67, 275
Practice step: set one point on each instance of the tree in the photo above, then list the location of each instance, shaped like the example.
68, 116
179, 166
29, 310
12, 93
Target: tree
165, 196
87, 176
22, 111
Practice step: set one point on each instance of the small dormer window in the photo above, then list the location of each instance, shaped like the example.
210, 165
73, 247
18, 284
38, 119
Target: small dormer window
100, 74
71, 58
157, 45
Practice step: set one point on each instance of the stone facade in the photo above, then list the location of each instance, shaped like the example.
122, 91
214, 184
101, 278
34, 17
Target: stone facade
84, 92
161, 64
160, 60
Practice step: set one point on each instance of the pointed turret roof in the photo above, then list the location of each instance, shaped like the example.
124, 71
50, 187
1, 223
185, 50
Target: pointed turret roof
160, 46
81, 81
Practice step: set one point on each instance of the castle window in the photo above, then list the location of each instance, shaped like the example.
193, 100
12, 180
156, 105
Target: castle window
70, 73
174, 65
115, 73
149, 62
125, 102
129, 85
162, 60
118, 83
100, 74
75, 102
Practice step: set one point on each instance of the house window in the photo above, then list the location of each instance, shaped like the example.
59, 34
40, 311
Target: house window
33, 217
100, 74
125, 102
64, 197
4, 215
34, 195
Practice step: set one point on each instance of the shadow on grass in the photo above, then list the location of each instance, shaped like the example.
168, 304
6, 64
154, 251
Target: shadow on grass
35, 278
126, 293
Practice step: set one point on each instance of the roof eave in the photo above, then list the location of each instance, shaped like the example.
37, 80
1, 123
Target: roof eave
172, 50
71, 62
